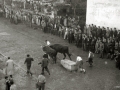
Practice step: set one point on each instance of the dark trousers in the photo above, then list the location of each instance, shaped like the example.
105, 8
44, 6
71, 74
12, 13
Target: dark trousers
42, 87
46, 68
28, 69
118, 65
90, 61
7, 86
101, 54
69, 40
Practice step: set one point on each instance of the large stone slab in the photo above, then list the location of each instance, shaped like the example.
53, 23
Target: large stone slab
69, 65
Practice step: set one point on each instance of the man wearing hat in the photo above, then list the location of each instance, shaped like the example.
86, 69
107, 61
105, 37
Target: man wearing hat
79, 63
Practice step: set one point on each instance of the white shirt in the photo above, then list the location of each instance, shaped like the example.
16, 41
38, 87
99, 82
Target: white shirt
66, 29
79, 58
48, 43
55, 26
90, 54
41, 79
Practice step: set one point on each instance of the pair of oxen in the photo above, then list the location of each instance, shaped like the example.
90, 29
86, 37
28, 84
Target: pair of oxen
52, 51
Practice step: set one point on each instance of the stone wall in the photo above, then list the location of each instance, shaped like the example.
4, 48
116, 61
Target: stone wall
103, 13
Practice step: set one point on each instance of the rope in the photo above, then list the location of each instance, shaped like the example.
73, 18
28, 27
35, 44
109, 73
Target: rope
14, 62
20, 67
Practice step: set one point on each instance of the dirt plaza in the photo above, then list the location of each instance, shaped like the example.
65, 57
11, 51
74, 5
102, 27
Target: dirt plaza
19, 40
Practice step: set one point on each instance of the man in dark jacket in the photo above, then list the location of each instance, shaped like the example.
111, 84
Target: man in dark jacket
88, 44
44, 63
79, 40
104, 32
70, 37
118, 35
115, 32
99, 32
107, 32
94, 30
28, 63
118, 61
111, 32
110, 53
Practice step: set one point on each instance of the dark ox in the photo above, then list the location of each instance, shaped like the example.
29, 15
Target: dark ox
61, 49
51, 52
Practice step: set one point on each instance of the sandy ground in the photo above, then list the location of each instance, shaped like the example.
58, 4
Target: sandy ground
18, 40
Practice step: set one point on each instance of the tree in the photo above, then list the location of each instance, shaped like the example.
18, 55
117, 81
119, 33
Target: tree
74, 4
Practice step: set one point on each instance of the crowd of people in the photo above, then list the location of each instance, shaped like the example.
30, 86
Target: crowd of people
99, 40
102, 40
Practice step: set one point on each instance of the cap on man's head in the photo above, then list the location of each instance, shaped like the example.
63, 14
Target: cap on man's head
8, 57
45, 56
28, 55
11, 76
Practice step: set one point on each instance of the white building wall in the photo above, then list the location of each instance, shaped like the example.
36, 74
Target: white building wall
103, 13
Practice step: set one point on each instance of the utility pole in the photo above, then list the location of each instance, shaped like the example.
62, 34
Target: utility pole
24, 4
3, 4
11, 4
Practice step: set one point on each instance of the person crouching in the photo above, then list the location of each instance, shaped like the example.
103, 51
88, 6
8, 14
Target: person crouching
79, 63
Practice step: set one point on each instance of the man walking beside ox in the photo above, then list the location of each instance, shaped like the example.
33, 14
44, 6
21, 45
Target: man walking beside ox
47, 43
44, 64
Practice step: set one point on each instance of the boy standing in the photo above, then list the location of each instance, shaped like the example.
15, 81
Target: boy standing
90, 58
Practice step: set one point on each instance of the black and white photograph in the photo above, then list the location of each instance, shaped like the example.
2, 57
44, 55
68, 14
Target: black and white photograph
59, 44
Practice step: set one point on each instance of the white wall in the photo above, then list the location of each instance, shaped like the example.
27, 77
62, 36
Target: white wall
103, 13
